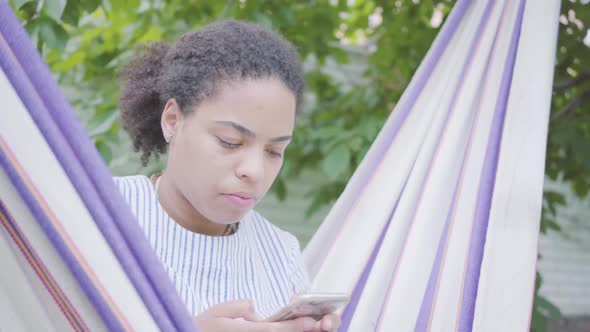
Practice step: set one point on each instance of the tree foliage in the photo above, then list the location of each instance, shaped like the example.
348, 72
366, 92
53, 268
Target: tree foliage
358, 55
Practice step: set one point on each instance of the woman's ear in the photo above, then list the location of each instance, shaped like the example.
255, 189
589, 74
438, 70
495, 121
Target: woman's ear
171, 117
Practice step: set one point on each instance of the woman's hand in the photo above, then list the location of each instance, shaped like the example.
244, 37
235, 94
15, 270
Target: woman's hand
240, 316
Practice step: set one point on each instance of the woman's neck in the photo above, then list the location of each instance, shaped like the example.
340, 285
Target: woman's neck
182, 212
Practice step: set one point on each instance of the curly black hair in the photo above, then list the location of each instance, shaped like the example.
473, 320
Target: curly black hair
192, 68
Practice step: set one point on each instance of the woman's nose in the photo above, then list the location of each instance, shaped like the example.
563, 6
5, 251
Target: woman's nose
251, 167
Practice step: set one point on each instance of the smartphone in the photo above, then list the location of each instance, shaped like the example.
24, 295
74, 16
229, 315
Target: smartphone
314, 305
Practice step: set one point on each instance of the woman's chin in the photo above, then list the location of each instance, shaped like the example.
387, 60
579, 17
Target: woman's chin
229, 217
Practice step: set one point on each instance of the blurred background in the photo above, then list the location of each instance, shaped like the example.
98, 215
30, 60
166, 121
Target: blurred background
358, 57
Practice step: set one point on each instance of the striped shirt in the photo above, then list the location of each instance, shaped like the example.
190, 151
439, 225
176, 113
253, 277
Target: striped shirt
259, 262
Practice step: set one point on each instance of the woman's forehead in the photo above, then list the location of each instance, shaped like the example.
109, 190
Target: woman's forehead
263, 106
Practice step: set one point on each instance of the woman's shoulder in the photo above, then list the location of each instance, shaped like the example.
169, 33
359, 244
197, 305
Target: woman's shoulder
131, 180
132, 185
138, 193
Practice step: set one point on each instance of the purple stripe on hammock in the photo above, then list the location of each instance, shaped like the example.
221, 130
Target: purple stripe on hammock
432, 59
53, 235
356, 294
89, 175
487, 181
423, 321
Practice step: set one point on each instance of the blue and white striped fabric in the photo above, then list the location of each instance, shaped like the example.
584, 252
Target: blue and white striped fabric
259, 262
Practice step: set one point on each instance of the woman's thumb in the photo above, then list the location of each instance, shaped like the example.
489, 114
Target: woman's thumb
234, 309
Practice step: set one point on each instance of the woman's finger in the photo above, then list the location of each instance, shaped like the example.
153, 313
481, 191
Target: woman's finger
302, 324
295, 325
330, 322
234, 309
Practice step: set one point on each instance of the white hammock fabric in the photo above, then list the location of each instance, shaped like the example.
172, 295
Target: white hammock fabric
437, 229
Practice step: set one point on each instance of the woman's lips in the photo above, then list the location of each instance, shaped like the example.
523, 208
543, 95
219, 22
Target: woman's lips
241, 200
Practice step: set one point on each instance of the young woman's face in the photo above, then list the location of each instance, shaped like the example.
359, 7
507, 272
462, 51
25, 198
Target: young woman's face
227, 152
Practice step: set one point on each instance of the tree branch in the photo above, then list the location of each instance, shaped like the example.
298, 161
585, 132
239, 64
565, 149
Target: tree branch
566, 84
572, 105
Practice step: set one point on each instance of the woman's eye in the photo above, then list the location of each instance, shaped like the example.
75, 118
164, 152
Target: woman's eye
274, 154
228, 145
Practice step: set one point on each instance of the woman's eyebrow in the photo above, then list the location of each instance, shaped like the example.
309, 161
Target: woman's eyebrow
237, 127
281, 139
247, 132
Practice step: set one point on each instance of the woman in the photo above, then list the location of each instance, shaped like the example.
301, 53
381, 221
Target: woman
221, 102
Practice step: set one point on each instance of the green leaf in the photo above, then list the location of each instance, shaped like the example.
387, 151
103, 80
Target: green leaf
19, 3
71, 13
102, 123
543, 227
554, 196
89, 5
581, 188
553, 225
280, 189
75, 8
286, 169
55, 8
539, 322
327, 132
547, 307
70, 62
314, 207
153, 34
26, 11
33, 29
356, 143
53, 34
336, 162
105, 150
539, 280
371, 128
126, 5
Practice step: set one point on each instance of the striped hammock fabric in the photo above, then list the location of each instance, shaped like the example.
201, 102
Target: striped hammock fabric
75, 258
437, 230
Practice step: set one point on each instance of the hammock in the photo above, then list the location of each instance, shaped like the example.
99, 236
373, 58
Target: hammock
450, 193
436, 230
